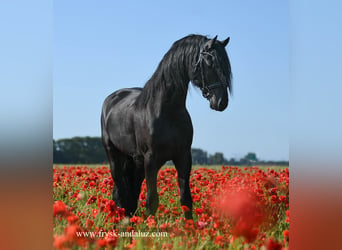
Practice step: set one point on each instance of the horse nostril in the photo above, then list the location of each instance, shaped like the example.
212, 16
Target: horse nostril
222, 104
219, 103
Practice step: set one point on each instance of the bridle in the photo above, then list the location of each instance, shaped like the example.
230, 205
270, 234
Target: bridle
207, 89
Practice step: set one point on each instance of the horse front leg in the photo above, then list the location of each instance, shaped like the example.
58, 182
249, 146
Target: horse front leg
183, 165
151, 171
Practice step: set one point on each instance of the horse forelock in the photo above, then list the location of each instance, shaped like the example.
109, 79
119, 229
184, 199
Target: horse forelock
224, 69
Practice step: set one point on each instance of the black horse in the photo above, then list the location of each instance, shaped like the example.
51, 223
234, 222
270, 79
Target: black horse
142, 128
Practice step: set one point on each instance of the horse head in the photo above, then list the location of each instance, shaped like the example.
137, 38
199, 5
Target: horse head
212, 73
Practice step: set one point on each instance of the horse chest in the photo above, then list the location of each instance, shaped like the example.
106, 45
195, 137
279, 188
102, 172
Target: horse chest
171, 133
167, 134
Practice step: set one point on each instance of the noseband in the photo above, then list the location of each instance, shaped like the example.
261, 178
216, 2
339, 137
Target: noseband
207, 89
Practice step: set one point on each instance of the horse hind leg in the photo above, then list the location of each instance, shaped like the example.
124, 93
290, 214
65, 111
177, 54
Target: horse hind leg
121, 171
133, 177
127, 177
116, 160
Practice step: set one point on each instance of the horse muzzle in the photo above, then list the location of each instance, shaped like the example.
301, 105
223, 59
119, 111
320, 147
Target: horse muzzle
219, 104
217, 97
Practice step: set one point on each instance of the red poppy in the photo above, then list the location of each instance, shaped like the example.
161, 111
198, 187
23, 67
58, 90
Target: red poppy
199, 211
136, 220
111, 239
219, 240
91, 200
72, 219
286, 234
274, 199
150, 221
89, 223
271, 244
167, 246
132, 245
283, 198
59, 208
94, 212
185, 208
101, 242
287, 216
59, 241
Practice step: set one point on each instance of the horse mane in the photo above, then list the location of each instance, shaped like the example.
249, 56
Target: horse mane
173, 69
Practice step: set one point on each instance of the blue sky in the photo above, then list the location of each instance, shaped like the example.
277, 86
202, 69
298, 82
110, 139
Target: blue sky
100, 47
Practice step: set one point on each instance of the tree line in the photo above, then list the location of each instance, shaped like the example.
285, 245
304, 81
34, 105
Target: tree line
89, 150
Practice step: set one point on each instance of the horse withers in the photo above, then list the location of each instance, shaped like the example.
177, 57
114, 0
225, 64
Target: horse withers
142, 128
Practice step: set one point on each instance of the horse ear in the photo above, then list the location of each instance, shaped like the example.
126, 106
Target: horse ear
211, 43
225, 42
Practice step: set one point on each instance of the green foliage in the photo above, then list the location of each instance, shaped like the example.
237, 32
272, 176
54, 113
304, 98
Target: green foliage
216, 158
199, 157
89, 150
79, 150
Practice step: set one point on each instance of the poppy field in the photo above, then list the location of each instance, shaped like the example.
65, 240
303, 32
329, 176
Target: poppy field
233, 208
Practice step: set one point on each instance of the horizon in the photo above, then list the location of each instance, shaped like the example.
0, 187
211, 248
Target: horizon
203, 149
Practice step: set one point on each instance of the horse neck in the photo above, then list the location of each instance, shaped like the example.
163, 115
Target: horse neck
170, 98
168, 86
167, 89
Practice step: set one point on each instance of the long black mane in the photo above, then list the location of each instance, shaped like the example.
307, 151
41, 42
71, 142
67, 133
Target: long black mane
175, 67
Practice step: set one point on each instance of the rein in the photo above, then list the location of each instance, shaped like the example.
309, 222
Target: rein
207, 89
